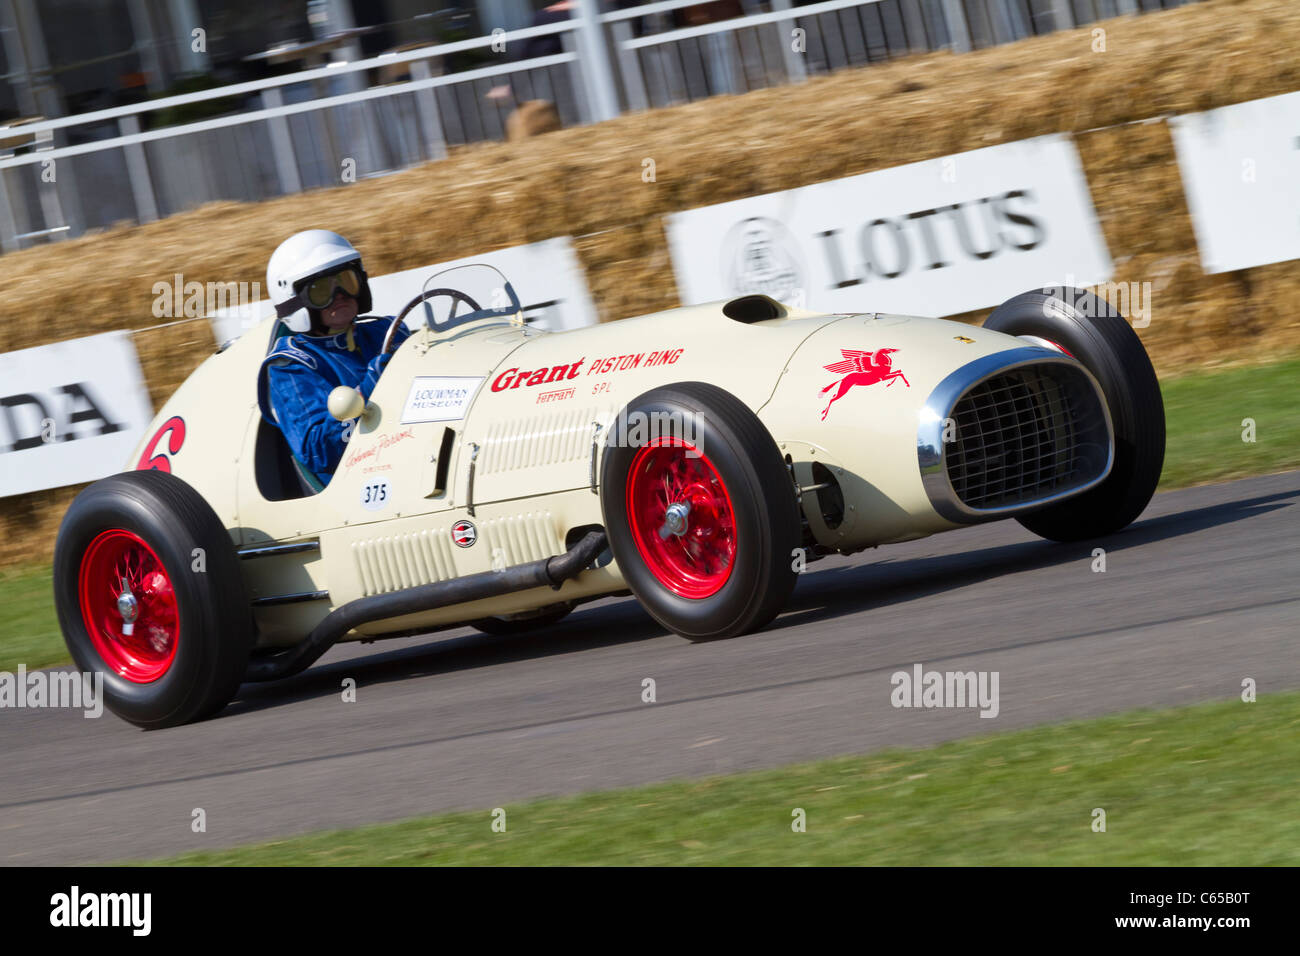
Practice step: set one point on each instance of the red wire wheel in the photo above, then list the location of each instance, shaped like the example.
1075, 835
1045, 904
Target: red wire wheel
704, 542
150, 596
129, 606
681, 518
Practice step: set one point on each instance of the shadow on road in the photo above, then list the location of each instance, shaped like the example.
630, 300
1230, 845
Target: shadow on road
882, 583
608, 625
821, 595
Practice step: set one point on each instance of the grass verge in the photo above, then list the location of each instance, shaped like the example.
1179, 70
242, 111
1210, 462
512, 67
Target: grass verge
1209, 784
30, 632
1203, 416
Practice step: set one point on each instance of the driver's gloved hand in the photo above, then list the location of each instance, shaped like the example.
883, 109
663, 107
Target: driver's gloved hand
374, 369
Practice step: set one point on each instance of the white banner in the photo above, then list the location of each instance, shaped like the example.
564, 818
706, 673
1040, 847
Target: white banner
1241, 171
939, 237
69, 412
545, 275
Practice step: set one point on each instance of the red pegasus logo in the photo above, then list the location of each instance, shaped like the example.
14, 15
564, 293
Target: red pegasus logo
862, 368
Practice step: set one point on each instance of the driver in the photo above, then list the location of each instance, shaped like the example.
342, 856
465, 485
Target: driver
319, 288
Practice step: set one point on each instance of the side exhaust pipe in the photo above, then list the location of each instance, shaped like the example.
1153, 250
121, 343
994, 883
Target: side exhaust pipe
548, 572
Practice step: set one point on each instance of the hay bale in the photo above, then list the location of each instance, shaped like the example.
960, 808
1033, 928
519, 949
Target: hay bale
532, 118
586, 182
854, 121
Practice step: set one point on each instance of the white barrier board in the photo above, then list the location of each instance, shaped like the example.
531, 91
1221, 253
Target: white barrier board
936, 238
70, 412
1241, 172
545, 275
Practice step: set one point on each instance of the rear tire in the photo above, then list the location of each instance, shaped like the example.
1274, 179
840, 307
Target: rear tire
724, 565
1095, 333
183, 656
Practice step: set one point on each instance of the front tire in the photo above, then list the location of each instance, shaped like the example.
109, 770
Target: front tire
1093, 332
700, 510
149, 593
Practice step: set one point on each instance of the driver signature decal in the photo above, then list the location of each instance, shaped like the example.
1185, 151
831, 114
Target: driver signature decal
377, 449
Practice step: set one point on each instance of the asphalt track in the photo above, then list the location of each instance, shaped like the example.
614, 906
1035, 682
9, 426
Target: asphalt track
1200, 593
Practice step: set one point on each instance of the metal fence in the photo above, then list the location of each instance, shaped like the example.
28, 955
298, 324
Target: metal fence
60, 177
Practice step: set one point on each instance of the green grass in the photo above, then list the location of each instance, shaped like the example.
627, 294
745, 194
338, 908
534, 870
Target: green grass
30, 632
1203, 415
1209, 784
1203, 422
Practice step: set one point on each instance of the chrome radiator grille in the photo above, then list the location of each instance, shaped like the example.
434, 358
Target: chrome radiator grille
1016, 440
1025, 435
1010, 432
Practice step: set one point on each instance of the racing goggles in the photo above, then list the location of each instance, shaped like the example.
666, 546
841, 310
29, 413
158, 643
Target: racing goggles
319, 292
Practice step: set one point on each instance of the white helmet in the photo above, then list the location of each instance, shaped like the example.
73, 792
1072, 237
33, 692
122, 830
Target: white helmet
302, 256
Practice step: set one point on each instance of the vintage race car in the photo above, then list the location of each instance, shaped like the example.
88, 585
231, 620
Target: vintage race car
697, 458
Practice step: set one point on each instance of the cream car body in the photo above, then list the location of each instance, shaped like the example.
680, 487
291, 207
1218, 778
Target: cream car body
520, 455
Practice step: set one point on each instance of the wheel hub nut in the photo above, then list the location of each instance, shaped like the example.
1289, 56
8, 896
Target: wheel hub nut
675, 519
129, 608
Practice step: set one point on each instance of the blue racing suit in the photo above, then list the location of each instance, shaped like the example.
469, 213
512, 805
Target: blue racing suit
298, 375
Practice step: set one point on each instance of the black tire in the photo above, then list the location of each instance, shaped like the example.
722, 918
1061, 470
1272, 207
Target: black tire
1097, 335
764, 513
215, 630
510, 626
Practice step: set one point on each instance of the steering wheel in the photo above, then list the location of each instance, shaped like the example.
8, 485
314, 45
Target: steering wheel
456, 297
